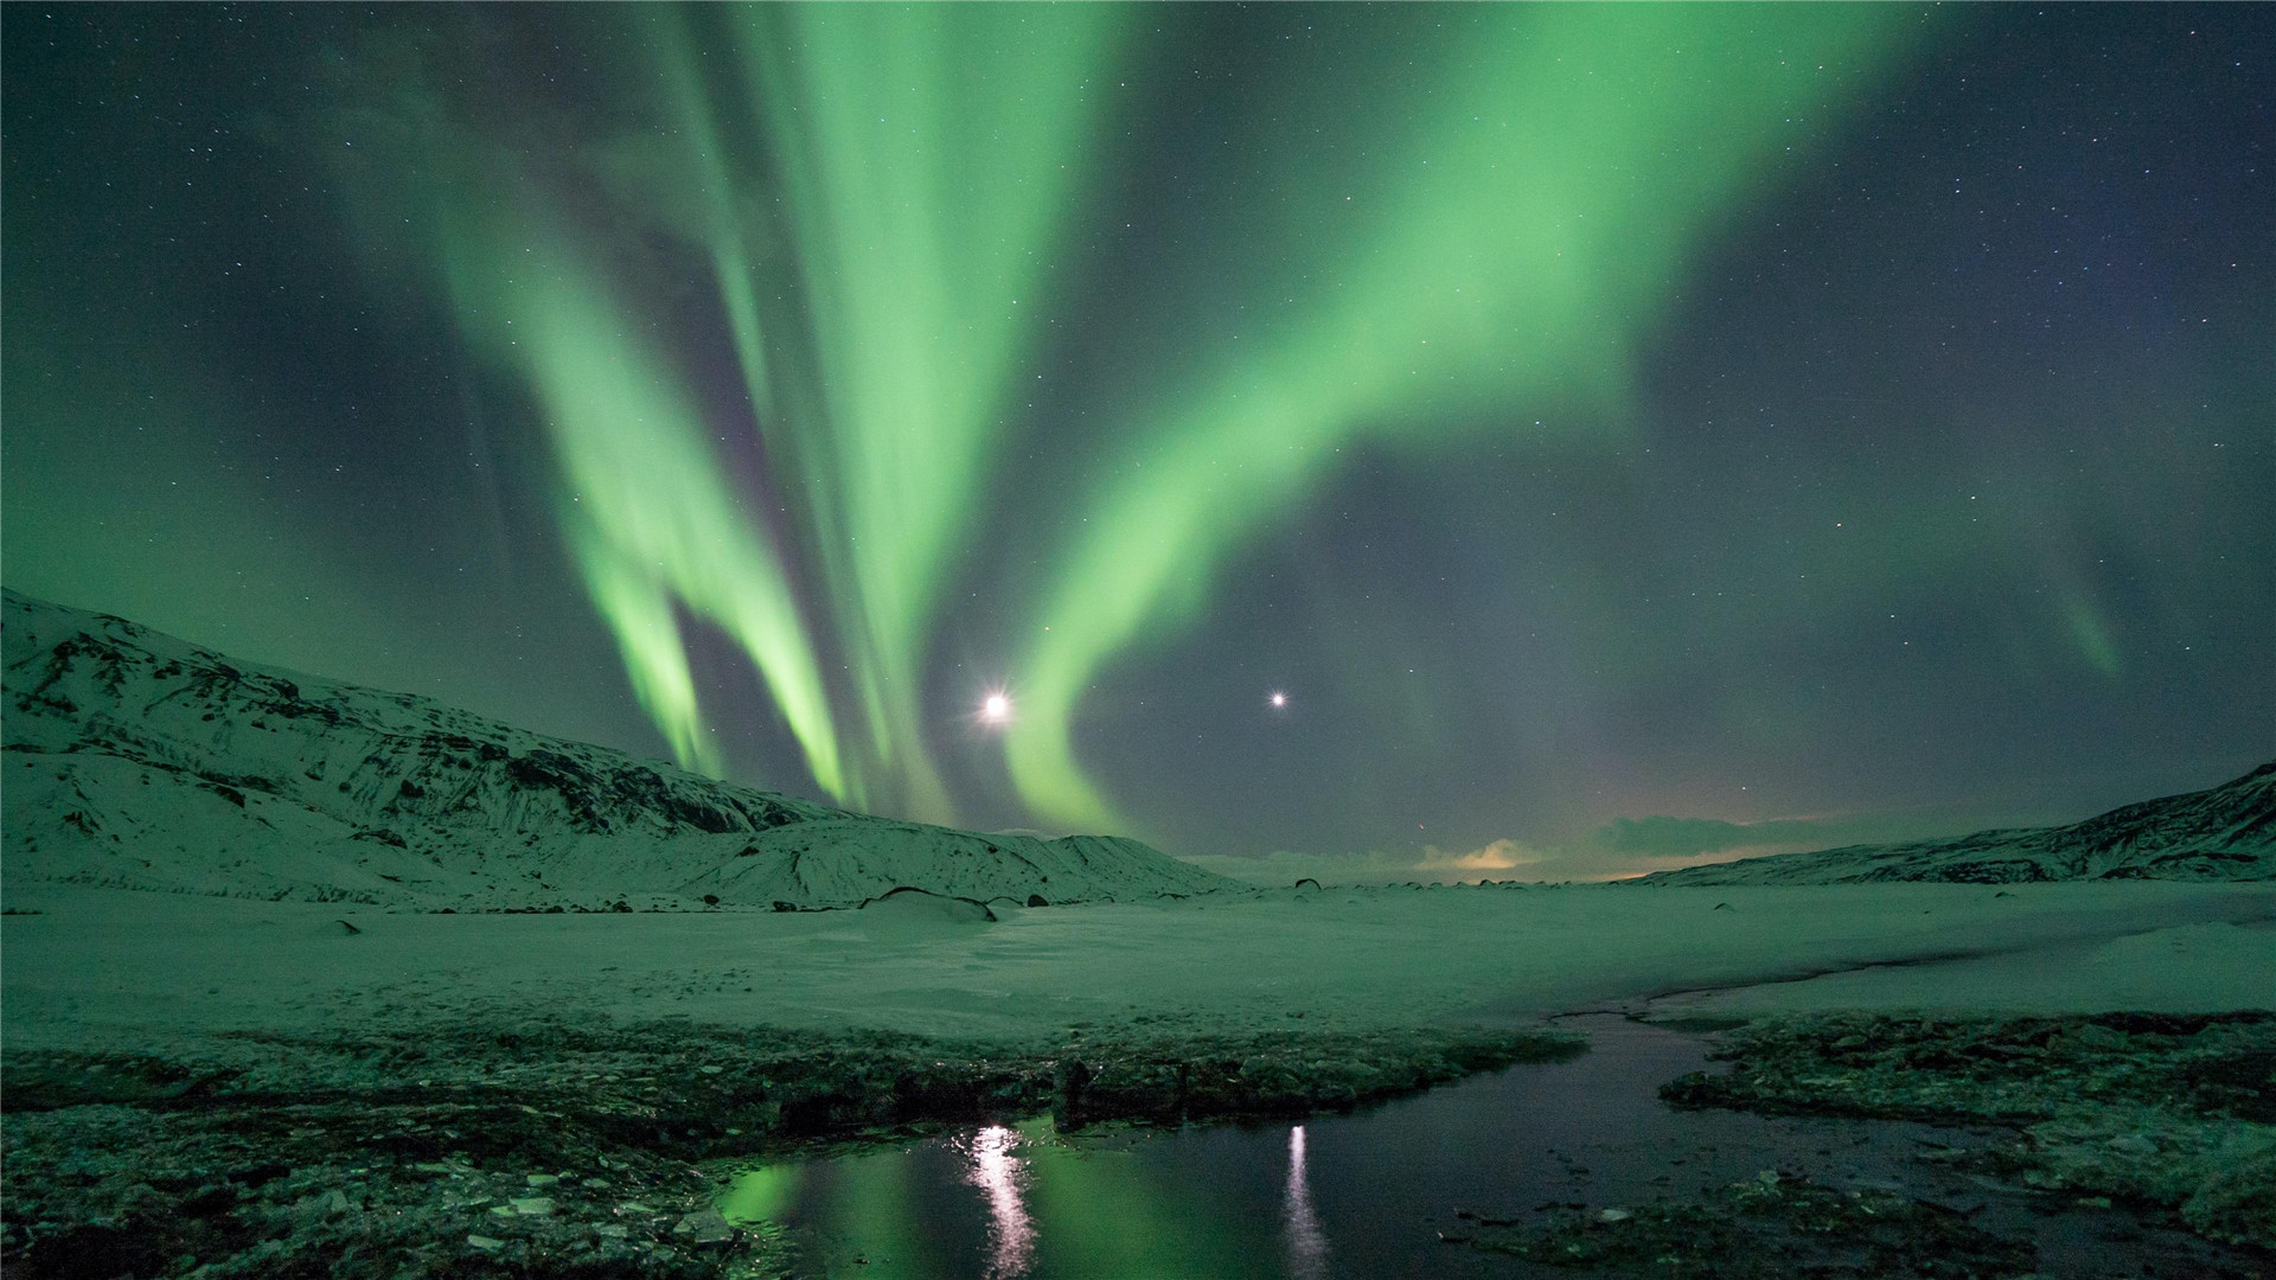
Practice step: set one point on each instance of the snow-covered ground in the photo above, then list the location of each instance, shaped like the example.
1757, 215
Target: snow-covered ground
196, 847
212, 845
122, 969
397, 1084
421, 933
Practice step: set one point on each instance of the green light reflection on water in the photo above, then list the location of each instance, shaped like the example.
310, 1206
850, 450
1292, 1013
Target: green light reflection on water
1051, 1207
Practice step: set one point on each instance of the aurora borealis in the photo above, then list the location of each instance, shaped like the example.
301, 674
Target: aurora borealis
1854, 418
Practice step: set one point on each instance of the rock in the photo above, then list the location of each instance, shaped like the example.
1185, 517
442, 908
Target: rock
2238, 1202
486, 1243
1614, 1215
2133, 1144
533, 1206
542, 1179
906, 907
705, 1227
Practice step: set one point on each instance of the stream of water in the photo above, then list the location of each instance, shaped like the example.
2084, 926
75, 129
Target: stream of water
1377, 1192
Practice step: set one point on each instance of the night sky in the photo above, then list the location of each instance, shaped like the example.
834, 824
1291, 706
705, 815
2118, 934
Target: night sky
1600, 425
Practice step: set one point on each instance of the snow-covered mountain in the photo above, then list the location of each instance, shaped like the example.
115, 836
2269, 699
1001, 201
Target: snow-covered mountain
136, 760
2225, 833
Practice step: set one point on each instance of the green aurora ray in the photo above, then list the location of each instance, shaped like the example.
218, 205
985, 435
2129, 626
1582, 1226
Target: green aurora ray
850, 178
928, 157
884, 198
646, 510
1518, 249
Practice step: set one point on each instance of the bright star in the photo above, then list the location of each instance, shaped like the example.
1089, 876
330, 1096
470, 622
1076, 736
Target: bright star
1279, 700
997, 709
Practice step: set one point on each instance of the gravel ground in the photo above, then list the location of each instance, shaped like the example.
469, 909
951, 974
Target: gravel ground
2175, 1111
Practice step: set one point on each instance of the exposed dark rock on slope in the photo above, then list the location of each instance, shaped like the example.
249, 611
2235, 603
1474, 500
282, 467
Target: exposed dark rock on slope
140, 761
2223, 833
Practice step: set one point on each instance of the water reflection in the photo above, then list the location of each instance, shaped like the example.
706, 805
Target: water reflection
759, 1194
1307, 1245
1228, 1203
1000, 1174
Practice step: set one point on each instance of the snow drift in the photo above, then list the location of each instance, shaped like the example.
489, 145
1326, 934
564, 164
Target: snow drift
136, 760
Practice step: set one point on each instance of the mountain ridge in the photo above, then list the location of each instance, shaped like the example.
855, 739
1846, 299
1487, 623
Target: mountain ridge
2225, 832
138, 760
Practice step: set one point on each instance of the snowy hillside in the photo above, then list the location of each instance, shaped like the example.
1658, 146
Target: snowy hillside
140, 761
2225, 833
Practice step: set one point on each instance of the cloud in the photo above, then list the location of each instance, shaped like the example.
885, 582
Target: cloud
1665, 837
1432, 865
1501, 855
1678, 837
1618, 850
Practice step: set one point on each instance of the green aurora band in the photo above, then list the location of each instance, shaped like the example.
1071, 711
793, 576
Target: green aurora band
928, 156
893, 209
647, 511
883, 198
1520, 248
